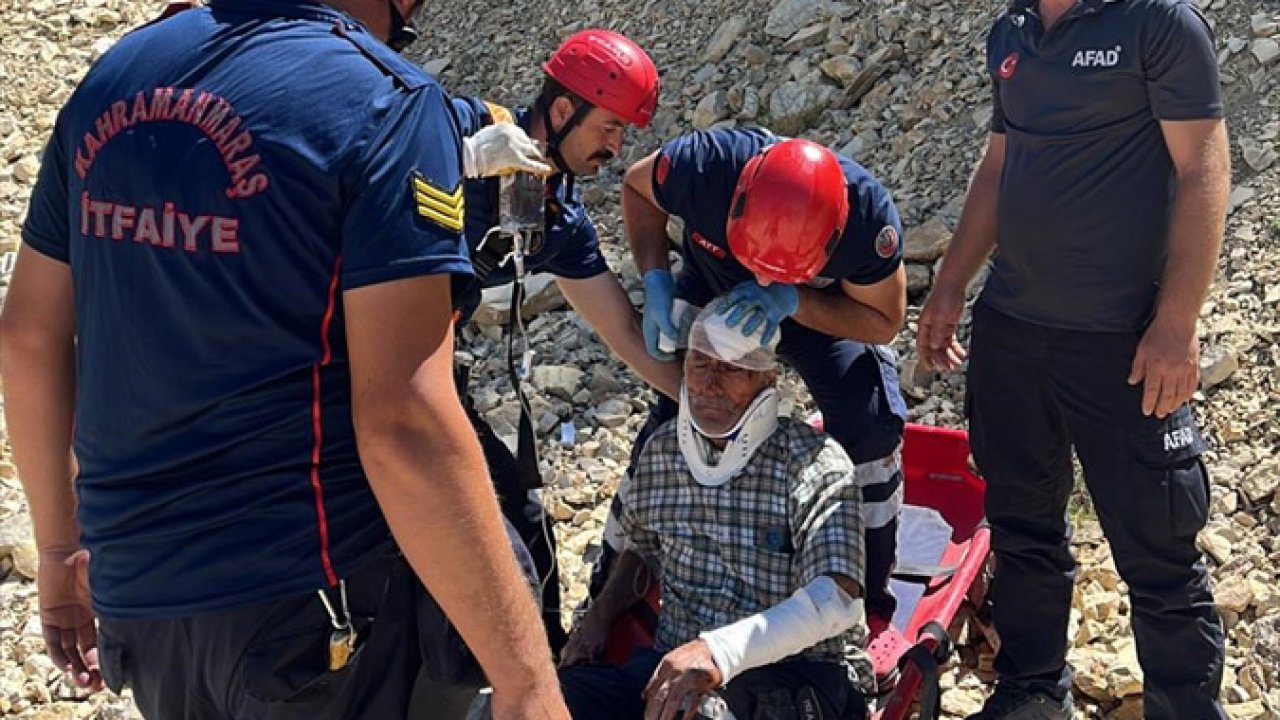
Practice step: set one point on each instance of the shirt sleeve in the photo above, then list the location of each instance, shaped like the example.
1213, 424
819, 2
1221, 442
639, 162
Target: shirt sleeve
577, 247
47, 229
1181, 65
580, 256
826, 518
997, 110
871, 248
405, 212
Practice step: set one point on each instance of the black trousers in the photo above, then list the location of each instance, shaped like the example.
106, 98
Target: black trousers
1034, 394
270, 661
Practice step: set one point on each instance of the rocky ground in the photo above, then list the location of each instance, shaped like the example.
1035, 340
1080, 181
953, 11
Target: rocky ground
898, 85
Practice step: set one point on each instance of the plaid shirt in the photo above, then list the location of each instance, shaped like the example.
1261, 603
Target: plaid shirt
732, 551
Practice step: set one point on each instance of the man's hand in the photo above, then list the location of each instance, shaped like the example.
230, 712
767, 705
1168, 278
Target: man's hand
684, 676
500, 149
758, 305
586, 643
1167, 363
936, 343
659, 301
70, 627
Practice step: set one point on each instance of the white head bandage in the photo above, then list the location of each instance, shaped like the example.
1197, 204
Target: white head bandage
710, 336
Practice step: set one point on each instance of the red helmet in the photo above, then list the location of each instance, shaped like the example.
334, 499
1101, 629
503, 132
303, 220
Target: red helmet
788, 211
609, 71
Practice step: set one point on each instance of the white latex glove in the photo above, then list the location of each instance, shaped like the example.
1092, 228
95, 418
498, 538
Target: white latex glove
499, 149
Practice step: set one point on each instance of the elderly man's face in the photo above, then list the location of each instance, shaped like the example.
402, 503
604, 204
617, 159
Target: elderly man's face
719, 393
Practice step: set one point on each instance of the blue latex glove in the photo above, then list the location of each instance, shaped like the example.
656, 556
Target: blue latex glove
760, 305
659, 297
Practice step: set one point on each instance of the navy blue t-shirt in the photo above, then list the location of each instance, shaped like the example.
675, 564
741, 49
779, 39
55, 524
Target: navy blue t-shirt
569, 248
215, 183
1086, 196
694, 177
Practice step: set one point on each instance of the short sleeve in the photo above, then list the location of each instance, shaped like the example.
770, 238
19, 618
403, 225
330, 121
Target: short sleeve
579, 255
996, 124
997, 110
405, 211
691, 172
1180, 64
47, 228
826, 518
871, 248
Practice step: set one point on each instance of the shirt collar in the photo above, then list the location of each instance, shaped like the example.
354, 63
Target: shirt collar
1090, 6
301, 9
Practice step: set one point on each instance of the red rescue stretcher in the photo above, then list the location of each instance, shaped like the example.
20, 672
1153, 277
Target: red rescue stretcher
937, 475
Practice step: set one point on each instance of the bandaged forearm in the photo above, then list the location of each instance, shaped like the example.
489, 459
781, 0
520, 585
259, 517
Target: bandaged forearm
815, 612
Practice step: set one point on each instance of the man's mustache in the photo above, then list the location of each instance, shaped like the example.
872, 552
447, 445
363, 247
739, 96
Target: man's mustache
602, 155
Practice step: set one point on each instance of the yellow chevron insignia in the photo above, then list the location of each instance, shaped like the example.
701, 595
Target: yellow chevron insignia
442, 208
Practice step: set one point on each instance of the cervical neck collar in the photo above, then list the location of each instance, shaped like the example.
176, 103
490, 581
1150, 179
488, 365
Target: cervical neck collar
752, 429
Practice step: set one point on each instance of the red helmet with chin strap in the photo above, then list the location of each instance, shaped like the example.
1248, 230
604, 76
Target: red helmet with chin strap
788, 211
609, 71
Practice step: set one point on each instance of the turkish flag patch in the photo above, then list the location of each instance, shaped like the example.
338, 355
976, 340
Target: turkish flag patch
1009, 66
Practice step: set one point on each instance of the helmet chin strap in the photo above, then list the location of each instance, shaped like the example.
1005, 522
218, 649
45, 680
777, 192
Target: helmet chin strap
555, 137
754, 427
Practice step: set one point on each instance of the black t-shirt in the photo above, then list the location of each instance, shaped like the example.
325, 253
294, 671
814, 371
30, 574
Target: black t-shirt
1088, 185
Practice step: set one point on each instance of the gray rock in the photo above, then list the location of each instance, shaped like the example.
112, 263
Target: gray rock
1264, 25
919, 279
843, 69
724, 38
876, 65
806, 37
711, 109
437, 66
1266, 50
1257, 155
27, 169
795, 106
602, 382
754, 55
557, 380
927, 242
541, 295
750, 105
1217, 364
788, 16
1239, 196
853, 148
1260, 482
